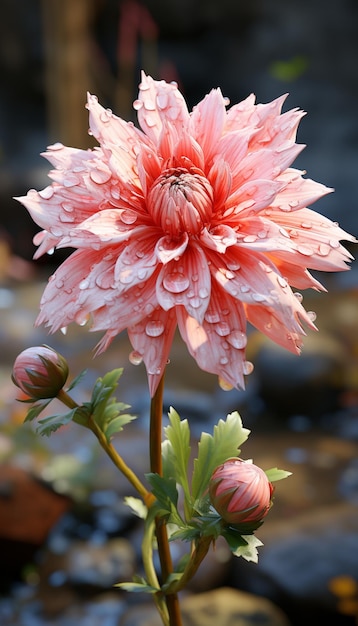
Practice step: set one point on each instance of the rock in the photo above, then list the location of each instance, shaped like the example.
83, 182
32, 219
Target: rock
299, 561
221, 607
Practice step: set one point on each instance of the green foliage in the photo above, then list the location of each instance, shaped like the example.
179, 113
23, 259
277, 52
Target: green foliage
103, 410
274, 474
213, 450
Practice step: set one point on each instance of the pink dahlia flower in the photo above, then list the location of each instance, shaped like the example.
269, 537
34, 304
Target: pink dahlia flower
196, 221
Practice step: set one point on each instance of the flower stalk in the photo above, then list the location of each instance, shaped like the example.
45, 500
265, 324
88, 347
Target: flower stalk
155, 449
110, 450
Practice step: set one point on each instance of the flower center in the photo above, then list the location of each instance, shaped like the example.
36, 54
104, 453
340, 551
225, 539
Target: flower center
181, 201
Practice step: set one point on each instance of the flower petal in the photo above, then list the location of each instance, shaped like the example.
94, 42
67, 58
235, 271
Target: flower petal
168, 249
218, 344
159, 101
207, 122
138, 260
186, 282
152, 339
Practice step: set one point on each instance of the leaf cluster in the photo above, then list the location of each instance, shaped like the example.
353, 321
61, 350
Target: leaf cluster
102, 411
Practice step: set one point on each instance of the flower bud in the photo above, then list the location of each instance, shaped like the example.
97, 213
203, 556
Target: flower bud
240, 492
40, 372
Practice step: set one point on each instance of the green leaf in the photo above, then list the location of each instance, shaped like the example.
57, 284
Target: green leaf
249, 551
176, 453
137, 505
137, 587
49, 425
77, 380
36, 409
166, 493
276, 474
115, 425
213, 450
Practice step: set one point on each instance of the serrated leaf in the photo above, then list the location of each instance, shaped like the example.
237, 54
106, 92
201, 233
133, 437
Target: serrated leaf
176, 453
116, 425
137, 587
166, 493
249, 551
276, 474
77, 380
137, 505
49, 425
215, 449
36, 409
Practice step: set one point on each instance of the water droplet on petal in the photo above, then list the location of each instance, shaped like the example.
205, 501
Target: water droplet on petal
222, 329
128, 217
46, 193
137, 105
323, 249
237, 339
224, 360
282, 282
212, 318
154, 328
224, 385
305, 250
100, 176
82, 317
64, 330
299, 296
135, 358
248, 367
312, 315
176, 282
84, 284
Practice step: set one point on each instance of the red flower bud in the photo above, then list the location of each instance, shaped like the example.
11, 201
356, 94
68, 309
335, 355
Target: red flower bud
40, 372
240, 492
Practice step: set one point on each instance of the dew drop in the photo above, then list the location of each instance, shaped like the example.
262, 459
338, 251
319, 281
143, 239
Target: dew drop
244, 288
128, 217
224, 385
282, 282
305, 250
224, 360
212, 318
306, 225
176, 282
115, 193
63, 330
137, 105
250, 239
237, 339
248, 367
154, 328
259, 297
82, 317
47, 193
195, 302
100, 176
312, 315
70, 181
135, 358
334, 243
323, 249
56, 146
299, 296
84, 284
50, 251
222, 329
203, 292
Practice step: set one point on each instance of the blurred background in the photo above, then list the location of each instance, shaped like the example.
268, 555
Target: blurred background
65, 537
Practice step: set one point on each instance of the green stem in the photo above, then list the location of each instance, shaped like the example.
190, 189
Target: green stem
199, 553
155, 448
109, 449
151, 576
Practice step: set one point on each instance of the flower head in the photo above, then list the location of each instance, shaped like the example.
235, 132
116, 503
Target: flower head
197, 221
40, 372
240, 492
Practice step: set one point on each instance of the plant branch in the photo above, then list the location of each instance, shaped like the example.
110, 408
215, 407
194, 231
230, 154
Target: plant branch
155, 449
109, 449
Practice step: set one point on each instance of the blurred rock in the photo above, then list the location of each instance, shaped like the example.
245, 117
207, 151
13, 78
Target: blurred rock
221, 607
